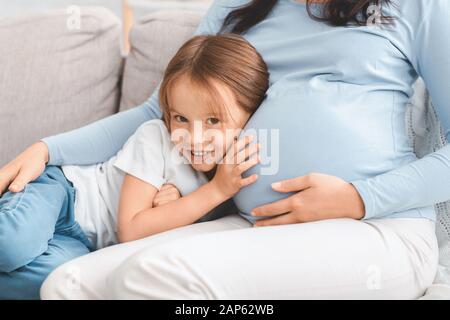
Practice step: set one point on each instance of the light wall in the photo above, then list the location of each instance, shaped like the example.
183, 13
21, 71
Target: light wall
12, 8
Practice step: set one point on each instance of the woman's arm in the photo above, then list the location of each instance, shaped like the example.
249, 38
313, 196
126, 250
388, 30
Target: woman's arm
424, 182
100, 140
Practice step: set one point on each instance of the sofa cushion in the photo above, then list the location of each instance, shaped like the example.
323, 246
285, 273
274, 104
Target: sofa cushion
154, 41
55, 76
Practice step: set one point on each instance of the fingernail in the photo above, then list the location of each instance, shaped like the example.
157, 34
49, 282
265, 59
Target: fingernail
253, 213
276, 185
14, 187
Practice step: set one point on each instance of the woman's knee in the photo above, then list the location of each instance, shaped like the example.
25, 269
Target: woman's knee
165, 272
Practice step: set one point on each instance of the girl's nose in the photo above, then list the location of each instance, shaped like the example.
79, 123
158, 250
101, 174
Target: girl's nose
198, 137
196, 133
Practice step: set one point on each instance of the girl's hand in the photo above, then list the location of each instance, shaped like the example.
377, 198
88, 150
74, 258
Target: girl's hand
28, 166
318, 197
240, 157
167, 193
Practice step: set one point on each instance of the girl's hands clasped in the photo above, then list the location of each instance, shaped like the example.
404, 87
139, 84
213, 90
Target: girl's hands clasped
166, 194
240, 157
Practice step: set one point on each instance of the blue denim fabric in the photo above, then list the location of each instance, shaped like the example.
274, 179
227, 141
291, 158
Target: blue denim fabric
38, 232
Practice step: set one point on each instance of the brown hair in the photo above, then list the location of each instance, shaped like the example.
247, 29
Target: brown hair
227, 58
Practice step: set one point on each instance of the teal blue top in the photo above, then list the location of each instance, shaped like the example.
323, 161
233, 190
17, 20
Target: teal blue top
337, 98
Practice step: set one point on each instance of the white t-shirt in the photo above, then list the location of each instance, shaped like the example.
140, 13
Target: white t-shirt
148, 155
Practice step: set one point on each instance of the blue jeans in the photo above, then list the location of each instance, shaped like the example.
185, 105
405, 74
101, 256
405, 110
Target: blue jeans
38, 232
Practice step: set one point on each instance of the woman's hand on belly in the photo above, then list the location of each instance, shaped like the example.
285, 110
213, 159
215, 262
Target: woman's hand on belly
318, 197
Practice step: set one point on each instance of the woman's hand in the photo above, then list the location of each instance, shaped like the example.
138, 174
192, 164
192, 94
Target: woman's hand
28, 166
318, 197
240, 157
167, 193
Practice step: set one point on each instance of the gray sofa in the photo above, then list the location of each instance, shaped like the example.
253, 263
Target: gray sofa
54, 78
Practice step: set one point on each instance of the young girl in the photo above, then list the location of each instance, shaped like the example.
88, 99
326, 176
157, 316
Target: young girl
210, 89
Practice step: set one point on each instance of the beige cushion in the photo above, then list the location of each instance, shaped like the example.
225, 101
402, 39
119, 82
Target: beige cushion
154, 41
54, 79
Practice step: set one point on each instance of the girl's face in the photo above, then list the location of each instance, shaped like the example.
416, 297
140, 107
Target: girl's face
201, 136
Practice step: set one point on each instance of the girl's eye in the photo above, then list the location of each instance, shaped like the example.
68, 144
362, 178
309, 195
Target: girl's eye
180, 118
212, 121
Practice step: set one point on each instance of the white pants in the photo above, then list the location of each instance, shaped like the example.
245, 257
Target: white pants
228, 259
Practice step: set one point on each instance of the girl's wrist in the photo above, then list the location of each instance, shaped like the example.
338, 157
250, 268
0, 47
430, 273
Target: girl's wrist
217, 192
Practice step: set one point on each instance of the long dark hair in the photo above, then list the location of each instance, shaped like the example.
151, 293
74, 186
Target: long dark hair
333, 12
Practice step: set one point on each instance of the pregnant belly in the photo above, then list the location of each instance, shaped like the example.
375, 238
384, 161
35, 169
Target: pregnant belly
304, 133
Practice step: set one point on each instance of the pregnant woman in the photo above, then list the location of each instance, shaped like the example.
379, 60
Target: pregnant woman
348, 212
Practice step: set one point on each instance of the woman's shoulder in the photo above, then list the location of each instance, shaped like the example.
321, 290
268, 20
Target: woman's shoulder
416, 11
415, 22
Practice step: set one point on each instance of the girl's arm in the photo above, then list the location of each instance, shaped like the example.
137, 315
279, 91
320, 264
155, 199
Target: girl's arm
102, 139
424, 182
138, 218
